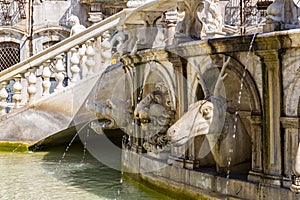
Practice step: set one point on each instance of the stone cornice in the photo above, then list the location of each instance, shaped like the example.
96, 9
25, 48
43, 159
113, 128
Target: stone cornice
144, 57
266, 45
262, 42
290, 122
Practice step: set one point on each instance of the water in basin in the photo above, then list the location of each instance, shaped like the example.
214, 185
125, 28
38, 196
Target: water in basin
34, 175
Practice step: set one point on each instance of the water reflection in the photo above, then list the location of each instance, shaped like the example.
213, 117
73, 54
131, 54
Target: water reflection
36, 176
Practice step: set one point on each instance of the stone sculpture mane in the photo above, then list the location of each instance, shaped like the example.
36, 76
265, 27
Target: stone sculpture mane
154, 114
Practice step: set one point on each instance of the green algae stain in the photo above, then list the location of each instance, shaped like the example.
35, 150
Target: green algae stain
13, 147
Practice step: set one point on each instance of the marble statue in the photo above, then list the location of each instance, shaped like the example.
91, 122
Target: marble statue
190, 26
76, 26
209, 117
212, 19
295, 187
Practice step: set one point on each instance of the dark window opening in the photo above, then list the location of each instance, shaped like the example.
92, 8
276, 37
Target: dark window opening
9, 54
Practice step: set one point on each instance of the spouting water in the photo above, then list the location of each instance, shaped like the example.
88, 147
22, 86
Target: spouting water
238, 107
68, 147
66, 150
84, 146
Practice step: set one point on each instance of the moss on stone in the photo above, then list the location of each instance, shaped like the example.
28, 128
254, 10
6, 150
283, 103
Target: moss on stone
171, 190
13, 146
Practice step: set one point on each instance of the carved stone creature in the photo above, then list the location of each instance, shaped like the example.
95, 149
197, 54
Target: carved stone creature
112, 114
208, 117
154, 113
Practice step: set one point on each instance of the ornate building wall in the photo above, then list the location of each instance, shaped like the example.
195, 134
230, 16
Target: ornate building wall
36, 24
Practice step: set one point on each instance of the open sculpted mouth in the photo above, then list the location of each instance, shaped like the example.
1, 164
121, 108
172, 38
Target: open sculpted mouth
103, 123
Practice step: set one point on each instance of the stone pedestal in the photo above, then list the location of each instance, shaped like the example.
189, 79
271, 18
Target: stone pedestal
160, 155
214, 34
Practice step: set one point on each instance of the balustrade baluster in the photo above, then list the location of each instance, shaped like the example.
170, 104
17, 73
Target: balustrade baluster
60, 72
46, 78
31, 89
82, 58
90, 52
75, 70
17, 87
106, 51
3, 97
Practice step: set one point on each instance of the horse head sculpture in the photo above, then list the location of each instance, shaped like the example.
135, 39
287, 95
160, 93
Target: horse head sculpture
208, 117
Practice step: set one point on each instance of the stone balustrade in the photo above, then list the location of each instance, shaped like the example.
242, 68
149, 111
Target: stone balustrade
58, 67
80, 56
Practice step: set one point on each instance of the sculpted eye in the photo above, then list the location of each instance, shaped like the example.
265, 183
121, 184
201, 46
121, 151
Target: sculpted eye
108, 104
206, 112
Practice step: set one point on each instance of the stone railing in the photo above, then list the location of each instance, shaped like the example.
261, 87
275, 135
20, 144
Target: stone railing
58, 67
153, 24
78, 57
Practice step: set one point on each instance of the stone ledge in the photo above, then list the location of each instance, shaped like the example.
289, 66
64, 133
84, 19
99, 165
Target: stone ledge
13, 146
207, 184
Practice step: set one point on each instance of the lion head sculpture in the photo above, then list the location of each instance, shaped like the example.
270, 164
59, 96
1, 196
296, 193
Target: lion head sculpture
154, 114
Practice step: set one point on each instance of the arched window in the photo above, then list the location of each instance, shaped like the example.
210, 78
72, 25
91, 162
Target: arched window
9, 54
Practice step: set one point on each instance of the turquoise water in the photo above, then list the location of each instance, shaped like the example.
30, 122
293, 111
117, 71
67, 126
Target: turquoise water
38, 175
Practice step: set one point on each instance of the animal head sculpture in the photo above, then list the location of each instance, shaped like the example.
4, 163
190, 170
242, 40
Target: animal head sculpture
203, 117
154, 114
111, 114
155, 110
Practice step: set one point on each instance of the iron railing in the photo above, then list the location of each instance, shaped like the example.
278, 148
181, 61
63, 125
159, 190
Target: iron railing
245, 13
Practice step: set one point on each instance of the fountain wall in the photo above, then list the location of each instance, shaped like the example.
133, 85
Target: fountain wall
268, 111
